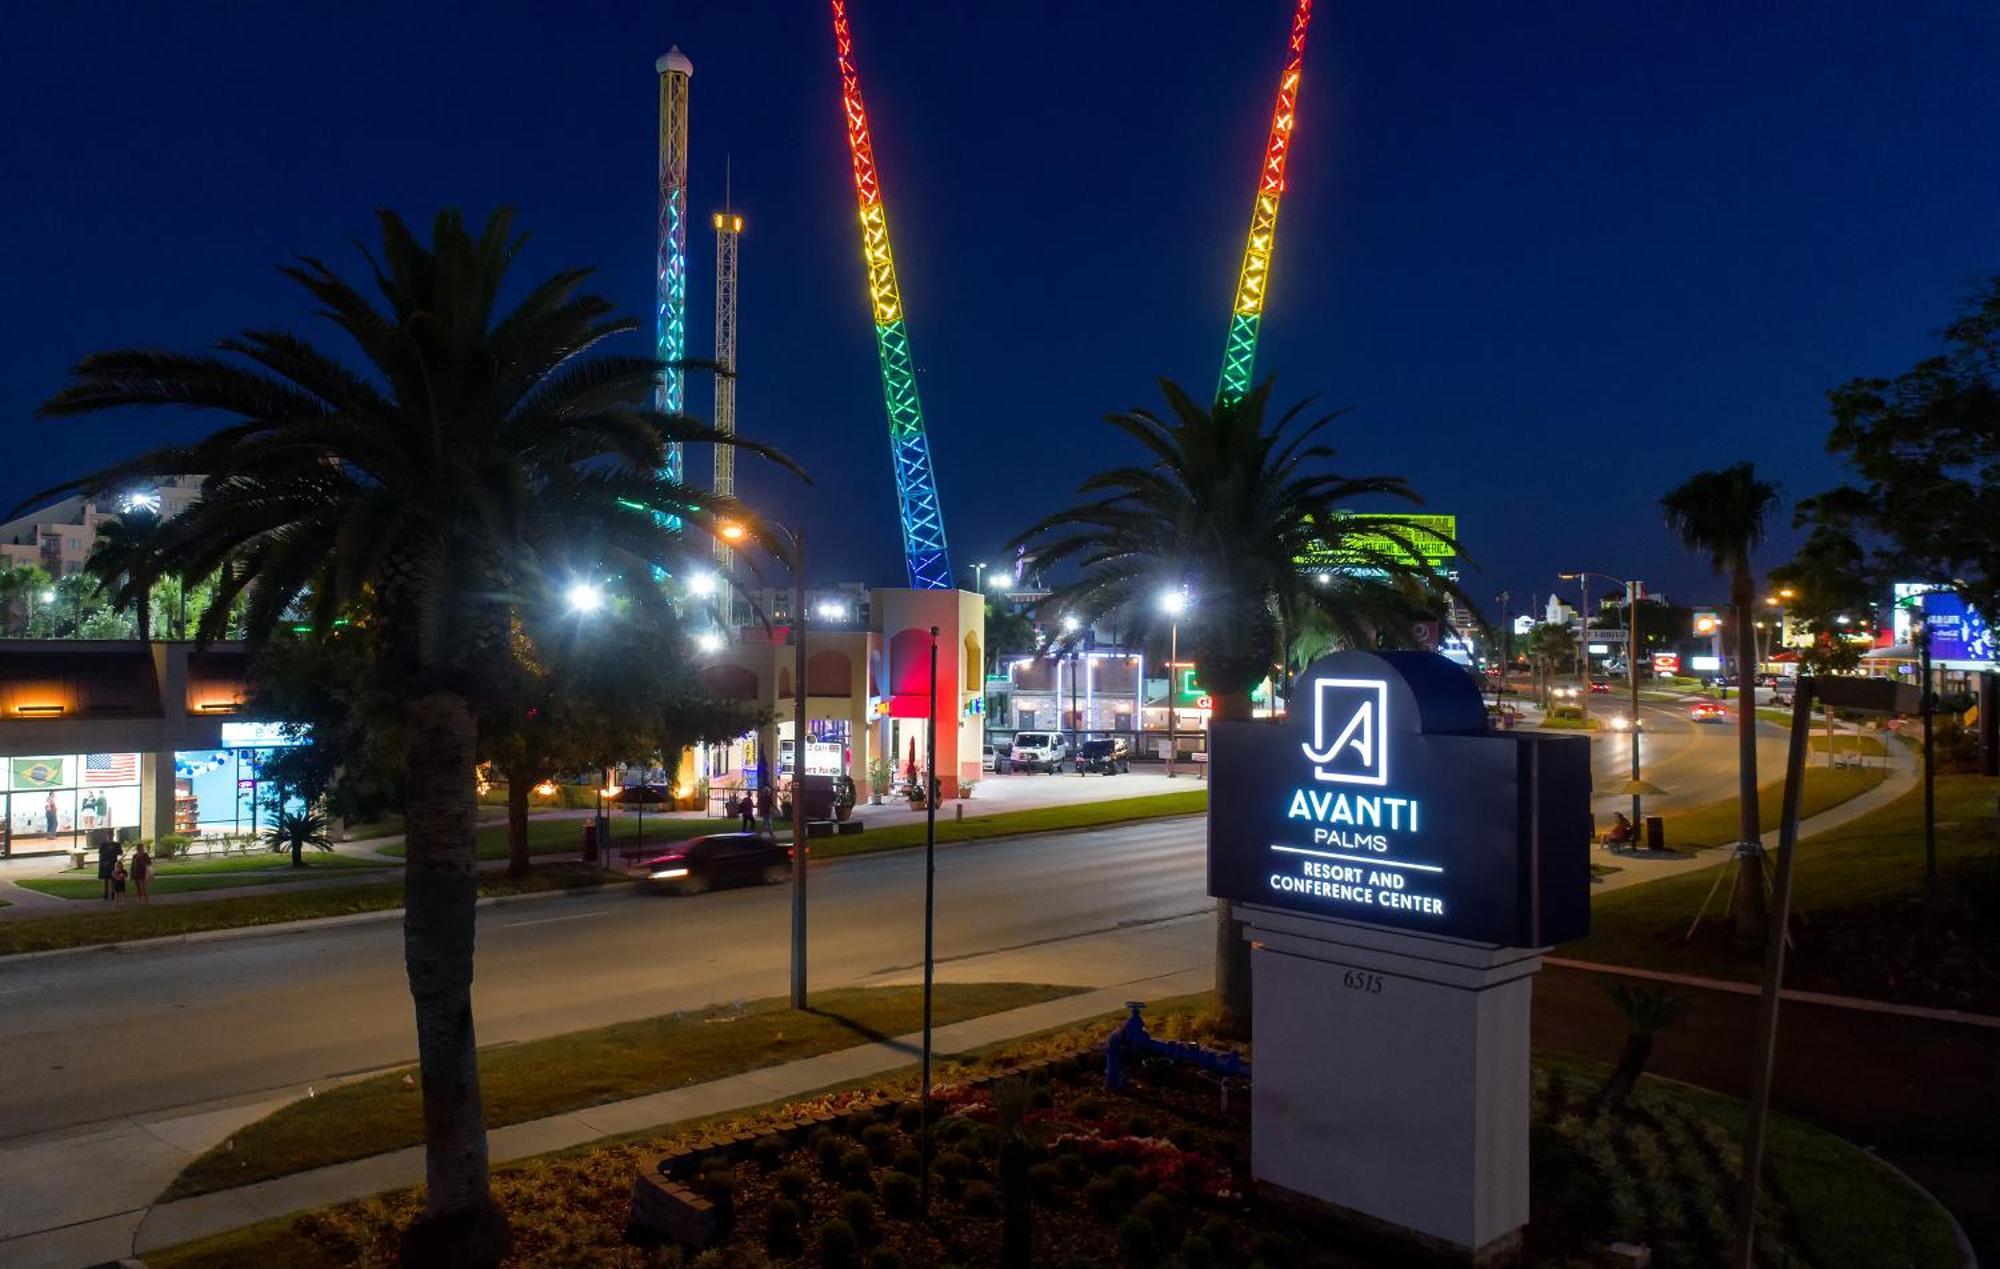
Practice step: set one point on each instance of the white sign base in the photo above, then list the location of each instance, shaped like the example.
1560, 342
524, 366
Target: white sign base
1391, 1076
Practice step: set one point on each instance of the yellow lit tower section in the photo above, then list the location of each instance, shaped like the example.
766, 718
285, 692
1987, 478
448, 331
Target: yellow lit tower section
728, 230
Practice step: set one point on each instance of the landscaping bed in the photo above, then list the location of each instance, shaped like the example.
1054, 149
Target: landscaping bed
131, 920
1153, 1176
180, 876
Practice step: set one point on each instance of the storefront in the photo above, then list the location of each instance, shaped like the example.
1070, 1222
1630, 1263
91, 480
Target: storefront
53, 801
224, 790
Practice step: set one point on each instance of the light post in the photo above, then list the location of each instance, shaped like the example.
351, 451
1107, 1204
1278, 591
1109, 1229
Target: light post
1631, 677
1070, 626
979, 577
794, 540
1173, 603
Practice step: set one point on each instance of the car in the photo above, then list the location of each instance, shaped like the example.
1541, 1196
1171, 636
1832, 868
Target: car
1599, 687
986, 758
1619, 722
1039, 750
1708, 712
1108, 757
702, 863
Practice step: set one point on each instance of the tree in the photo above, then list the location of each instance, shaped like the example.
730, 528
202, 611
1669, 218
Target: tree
1647, 1012
1924, 448
1550, 649
1008, 629
121, 538
295, 831
478, 455
1240, 512
1721, 514
1827, 582
21, 588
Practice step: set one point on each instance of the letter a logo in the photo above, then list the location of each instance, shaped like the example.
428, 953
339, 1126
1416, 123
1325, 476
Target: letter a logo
1349, 718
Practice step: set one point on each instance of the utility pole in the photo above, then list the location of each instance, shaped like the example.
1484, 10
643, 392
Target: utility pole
798, 768
1632, 680
930, 912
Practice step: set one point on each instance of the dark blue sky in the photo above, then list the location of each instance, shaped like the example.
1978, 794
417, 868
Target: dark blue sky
1554, 257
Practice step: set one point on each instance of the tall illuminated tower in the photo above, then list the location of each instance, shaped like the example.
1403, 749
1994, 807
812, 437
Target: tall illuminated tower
728, 228
916, 487
1239, 350
670, 339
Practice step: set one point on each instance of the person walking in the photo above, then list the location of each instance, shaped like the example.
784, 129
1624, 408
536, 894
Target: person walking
142, 873
746, 812
107, 865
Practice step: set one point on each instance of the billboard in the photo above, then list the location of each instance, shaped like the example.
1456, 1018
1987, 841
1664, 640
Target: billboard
1958, 631
1432, 537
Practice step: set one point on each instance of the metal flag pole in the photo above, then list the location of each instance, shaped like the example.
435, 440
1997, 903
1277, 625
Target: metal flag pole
930, 909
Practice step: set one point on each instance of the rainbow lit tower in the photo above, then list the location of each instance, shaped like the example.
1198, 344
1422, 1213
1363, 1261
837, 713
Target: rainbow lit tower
670, 340
916, 488
1239, 351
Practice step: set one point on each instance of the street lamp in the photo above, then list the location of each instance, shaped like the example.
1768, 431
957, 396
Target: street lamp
1631, 671
795, 540
1071, 625
702, 584
979, 576
585, 598
1173, 603
709, 641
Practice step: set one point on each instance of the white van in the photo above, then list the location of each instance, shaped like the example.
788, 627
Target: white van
1039, 750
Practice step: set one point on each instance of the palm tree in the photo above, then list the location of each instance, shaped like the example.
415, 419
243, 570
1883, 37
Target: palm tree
1550, 648
475, 456
1721, 513
20, 587
1238, 511
1647, 1012
294, 832
121, 538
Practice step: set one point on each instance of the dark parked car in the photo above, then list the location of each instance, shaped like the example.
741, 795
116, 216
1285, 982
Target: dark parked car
719, 859
1105, 757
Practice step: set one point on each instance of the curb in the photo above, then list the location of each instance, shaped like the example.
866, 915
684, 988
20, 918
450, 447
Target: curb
285, 927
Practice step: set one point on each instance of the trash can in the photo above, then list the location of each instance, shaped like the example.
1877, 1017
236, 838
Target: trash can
1656, 833
590, 842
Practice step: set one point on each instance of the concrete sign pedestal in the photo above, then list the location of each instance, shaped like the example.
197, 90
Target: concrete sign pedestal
1392, 1077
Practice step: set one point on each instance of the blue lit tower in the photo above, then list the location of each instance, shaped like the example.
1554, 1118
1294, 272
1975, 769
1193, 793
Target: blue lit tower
670, 345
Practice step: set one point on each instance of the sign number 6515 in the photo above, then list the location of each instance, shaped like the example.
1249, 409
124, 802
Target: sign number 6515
1361, 980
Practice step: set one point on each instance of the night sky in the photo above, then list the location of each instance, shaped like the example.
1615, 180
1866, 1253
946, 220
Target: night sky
1554, 257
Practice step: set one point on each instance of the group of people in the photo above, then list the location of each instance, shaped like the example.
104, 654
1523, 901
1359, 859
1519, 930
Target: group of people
113, 871
746, 808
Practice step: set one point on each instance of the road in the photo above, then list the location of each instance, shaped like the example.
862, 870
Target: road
1694, 762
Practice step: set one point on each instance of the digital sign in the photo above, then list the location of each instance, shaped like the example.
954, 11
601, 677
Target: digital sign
1383, 798
1958, 631
1433, 538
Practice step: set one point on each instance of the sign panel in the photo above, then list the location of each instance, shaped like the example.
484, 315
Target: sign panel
1704, 665
1707, 621
1666, 663
1383, 798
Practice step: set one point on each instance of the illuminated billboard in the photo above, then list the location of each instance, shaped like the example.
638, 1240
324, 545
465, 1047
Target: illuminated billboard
1958, 631
1415, 539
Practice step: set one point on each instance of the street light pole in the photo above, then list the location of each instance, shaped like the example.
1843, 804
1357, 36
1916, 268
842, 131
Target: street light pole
1173, 662
1631, 674
798, 769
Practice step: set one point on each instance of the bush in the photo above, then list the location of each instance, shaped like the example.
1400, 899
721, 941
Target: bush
1272, 1248
981, 1199
902, 1193
767, 1153
1101, 1197
910, 1117
858, 1210
783, 1220
883, 1258
1045, 1180
1090, 1109
1156, 1210
855, 1170
858, 1121
1073, 1169
828, 1149
1197, 1252
952, 1169
1142, 1126
952, 1131
1130, 1185
838, 1246
791, 1183
172, 846
1137, 1242
908, 1160
880, 1141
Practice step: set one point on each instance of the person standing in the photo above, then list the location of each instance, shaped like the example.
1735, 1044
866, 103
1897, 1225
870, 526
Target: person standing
142, 873
49, 814
118, 879
107, 865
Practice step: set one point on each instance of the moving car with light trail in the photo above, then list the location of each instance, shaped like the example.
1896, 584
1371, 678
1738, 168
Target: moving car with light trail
718, 859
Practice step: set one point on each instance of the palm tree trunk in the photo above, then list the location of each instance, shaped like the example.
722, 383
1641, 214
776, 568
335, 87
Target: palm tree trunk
1749, 903
1232, 950
461, 1224
517, 822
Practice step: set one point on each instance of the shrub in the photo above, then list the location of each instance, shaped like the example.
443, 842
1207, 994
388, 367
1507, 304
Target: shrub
883, 1258
1183, 1137
910, 1116
858, 1121
1272, 1248
981, 1199
1137, 1242
1041, 1098
1217, 1233
902, 1193
791, 1183
1158, 1211
858, 1210
782, 1223
1046, 1181
838, 1246
172, 846
855, 1171
1101, 1197
768, 1152
1090, 1109
880, 1141
952, 1169
1141, 1126
827, 1148
1073, 1169
908, 1160
1197, 1252
1129, 1184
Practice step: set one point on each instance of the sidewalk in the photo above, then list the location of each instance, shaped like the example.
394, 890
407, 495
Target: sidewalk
1635, 870
87, 1193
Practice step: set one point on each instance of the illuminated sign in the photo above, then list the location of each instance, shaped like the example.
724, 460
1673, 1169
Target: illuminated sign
260, 736
1666, 663
1705, 664
1405, 539
1389, 802
1599, 649
1958, 632
1707, 621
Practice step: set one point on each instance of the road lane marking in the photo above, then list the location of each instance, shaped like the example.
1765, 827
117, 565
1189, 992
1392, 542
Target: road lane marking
574, 916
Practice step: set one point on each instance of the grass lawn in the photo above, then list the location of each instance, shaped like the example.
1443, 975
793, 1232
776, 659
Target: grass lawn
1714, 823
1045, 819
1662, 1167
132, 921
1850, 742
179, 876
1875, 858
520, 1082
565, 836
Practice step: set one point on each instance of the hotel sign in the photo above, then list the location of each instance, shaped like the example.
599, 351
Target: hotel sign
1383, 798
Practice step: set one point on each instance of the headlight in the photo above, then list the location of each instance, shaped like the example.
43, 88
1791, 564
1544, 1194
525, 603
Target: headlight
667, 874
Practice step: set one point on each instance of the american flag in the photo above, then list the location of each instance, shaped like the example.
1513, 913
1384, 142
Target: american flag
111, 768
